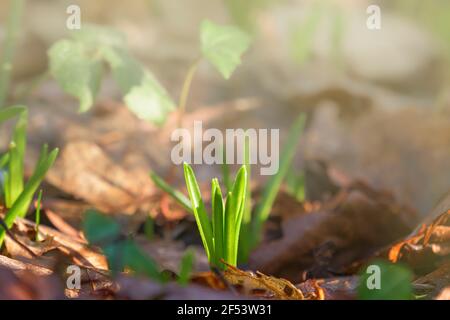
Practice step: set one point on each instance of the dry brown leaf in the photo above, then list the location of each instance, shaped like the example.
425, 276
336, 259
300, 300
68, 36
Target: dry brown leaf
252, 283
349, 227
85, 171
426, 246
340, 288
28, 286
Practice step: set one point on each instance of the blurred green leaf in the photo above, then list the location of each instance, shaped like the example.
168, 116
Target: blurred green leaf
187, 264
127, 71
121, 252
395, 282
244, 13
100, 229
223, 46
149, 100
77, 72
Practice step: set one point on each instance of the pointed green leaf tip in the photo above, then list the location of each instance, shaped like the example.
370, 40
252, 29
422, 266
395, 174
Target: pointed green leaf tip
223, 46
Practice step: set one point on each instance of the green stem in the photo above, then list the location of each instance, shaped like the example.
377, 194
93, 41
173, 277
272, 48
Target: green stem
185, 90
9, 46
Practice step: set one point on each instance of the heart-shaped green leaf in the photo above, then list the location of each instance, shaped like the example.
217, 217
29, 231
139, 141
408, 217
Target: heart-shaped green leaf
223, 46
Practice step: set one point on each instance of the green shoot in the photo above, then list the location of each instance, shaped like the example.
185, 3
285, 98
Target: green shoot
270, 191
149, 228
12, 30
38, 214
251, 223
221, 237
11, 112
246, 240
177, 195
203, 223
296, 185
14, 181
22, 203
187, 264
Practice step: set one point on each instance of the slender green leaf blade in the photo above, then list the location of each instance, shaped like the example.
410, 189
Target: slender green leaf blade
11, 112
234, 209
223, 46
203, 222
16, 160
218, 221
175, 194
20, 206
270, 191
187, 264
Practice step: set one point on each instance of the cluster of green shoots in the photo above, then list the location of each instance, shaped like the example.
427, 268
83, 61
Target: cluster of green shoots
220, 235
16, 193
235, 227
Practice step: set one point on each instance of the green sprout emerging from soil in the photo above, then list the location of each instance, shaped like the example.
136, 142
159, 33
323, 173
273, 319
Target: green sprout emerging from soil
248, 229
17, 194
220, 235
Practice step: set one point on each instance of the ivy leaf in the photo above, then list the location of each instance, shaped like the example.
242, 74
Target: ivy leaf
149, 100
394, 282
223, 46
100, 229
120, 251
127, 71
77, 73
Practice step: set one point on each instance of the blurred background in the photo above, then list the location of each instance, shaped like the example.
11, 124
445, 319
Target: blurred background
378, 101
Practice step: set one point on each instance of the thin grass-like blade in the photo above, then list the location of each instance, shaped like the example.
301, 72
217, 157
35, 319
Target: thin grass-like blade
233, 215
218, 221
175, 194
16, 159
203, 222
270, 191
20, 206
246, 238
11, 112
